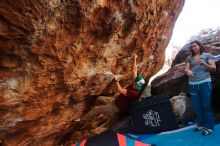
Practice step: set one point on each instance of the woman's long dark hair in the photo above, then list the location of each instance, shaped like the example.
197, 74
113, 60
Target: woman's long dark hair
202, 48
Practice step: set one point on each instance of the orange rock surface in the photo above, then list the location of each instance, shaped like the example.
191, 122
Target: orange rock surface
56, 56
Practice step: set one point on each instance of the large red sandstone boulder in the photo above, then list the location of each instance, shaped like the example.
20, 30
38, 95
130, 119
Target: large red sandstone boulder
171, 83
57, 56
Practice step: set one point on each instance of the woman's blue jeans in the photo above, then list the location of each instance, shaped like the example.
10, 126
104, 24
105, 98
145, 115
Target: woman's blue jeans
201, 100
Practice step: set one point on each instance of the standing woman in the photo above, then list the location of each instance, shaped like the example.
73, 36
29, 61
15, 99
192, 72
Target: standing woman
198, 66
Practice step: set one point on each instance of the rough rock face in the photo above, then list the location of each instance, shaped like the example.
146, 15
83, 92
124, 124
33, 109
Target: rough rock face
57, 56
170, 83
175, 80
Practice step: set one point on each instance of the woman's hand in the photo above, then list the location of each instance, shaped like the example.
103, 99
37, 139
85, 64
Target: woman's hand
201, 62
210, 65
189, 73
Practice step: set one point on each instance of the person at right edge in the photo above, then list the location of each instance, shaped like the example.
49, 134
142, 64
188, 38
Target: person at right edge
198, 66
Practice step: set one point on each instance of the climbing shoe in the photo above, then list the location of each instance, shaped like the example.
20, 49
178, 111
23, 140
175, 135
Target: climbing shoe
206, 132
198, 128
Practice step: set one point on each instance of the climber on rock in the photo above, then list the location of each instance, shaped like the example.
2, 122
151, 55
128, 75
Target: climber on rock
127, 96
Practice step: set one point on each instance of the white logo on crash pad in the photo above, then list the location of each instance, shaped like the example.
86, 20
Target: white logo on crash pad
152, 118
